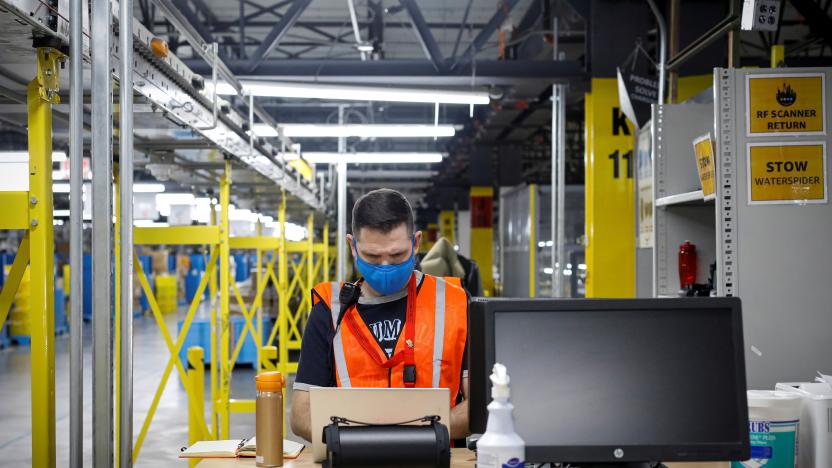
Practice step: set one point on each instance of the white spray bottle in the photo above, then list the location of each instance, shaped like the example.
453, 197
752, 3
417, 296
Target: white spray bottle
500, 446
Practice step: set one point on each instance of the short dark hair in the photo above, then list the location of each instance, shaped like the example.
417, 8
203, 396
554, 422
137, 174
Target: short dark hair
383, 210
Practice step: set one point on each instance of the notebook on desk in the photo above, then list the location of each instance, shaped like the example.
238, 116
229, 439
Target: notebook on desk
236, 448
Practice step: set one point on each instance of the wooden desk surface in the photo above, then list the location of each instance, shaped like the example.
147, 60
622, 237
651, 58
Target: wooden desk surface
460, 458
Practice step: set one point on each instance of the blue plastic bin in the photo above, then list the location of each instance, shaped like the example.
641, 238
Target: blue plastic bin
87, 287
197, 262
5, 341
61, 324
199, 334
241, 270
192, 280
147, 266
248, 353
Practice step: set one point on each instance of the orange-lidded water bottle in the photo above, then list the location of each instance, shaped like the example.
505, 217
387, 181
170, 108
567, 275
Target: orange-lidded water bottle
269, 416
687, 264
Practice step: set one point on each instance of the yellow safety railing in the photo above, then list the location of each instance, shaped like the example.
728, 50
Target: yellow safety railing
196, 386
308, 262
173, 348
216, 237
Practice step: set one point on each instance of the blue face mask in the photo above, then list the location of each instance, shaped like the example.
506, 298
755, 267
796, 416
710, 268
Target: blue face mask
385, 279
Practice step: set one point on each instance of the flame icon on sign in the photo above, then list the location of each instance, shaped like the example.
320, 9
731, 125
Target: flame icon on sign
786, 96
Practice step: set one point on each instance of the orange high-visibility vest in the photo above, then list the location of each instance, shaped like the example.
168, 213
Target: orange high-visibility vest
441, 329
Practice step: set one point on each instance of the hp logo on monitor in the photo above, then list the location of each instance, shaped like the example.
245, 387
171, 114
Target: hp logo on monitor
618, 453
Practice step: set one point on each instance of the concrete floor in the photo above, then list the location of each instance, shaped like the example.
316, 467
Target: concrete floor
169, 429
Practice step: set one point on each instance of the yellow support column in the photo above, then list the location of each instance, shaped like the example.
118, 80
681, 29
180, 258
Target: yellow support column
196, 382
447, 225
610, 199
778, 55
482, 234
259, 279
212, 282
42, 93
223, 361
310, 261
325, 265
532, 240
283, 295
430, 237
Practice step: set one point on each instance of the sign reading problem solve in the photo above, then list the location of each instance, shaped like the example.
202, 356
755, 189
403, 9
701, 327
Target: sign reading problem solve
789, 103
785, 173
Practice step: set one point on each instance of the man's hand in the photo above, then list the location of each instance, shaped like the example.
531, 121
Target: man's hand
301, 418
459, 415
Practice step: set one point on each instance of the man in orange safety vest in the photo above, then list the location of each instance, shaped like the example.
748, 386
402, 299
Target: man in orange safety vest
395, 327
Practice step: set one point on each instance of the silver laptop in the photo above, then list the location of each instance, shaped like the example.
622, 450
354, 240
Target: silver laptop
373, 405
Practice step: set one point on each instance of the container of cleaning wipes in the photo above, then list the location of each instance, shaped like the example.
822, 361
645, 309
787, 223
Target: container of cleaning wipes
815, 422
774, 428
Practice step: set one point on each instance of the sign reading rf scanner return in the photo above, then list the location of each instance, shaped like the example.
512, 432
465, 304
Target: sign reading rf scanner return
786, 173
793, 103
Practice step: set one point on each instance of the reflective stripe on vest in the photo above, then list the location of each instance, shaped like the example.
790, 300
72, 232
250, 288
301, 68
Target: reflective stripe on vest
439, 331
337, 344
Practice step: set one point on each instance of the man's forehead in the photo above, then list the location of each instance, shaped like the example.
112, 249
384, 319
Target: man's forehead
373, 240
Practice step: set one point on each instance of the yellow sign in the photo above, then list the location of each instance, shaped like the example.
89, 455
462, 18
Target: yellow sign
703, 148
793, 103
782, 173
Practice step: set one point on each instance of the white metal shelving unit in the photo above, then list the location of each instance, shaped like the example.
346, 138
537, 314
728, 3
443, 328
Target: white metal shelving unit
680, 212
776, 258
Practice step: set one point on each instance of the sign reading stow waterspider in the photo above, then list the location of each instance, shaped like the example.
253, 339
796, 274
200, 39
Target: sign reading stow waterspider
787, 173
788, 103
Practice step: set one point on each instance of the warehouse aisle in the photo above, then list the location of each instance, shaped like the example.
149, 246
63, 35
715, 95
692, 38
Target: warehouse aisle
169, 430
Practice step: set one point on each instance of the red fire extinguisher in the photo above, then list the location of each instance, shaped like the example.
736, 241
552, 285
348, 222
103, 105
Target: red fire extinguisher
687, 264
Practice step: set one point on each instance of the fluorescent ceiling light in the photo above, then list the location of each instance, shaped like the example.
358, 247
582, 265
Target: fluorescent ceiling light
148, 188
356, 93
148, 223
57, 156
60, 213
265, 130
367, 131
60, 188
175, 199
372, 158
223, 88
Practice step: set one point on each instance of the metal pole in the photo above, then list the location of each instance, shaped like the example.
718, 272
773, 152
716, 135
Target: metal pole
355, 29
662, 47
558, 188
125, 444
76, 240
342, 205
102, 235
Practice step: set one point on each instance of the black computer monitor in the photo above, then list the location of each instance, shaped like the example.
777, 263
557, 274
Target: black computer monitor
625, 380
